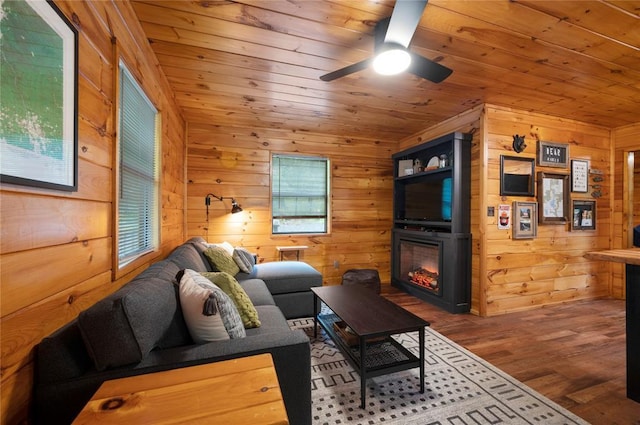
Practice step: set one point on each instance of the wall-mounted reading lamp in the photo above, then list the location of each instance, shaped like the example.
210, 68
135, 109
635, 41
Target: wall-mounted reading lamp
235, 207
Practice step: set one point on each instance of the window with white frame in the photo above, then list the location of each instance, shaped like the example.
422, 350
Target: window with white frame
299, 194
138, 178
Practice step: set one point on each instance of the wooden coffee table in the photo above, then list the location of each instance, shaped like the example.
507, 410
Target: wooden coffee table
372, 320
238, 391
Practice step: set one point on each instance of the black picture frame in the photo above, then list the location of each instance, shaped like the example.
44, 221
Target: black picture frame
583, 216
553, 198
517, 176
40, 142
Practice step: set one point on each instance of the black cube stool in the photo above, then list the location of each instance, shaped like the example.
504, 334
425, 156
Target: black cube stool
365, 277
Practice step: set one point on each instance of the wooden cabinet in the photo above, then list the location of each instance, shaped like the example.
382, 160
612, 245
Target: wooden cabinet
432, 185
431, 246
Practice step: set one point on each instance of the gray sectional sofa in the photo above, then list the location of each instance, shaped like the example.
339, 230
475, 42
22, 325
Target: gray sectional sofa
140, 329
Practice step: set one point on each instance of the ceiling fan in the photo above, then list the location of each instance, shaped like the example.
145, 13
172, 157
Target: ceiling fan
392, 56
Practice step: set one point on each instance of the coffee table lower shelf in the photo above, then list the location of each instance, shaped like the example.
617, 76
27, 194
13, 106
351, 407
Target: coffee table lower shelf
381, 355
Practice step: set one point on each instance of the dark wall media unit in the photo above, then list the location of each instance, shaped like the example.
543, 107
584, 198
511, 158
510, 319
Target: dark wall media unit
431, 242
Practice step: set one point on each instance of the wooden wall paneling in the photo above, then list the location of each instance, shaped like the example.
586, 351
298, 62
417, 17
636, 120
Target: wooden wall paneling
31, 276
466, 122
523, 274
95, 112
17, 395
235, 161
625, 139
23, 329
56, 247
479, 265
94, 183
40, 221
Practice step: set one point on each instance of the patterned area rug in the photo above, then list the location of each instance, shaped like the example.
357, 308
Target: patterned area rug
460, 389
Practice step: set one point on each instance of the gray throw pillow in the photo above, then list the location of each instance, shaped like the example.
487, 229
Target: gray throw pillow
244, 259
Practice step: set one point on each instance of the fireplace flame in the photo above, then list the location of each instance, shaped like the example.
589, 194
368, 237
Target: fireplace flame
424, 278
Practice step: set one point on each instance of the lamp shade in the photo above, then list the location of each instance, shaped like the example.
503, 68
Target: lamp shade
235, 208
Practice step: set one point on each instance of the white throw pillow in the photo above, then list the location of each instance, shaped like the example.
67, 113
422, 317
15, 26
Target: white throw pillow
192, 298
225, 245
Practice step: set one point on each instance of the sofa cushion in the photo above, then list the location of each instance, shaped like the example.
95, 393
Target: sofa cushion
186, 256
257, 291
273, 321
177, 334
201, 246
243, 303
205, 306
62, 355
244, 259
221, 261
123, 327
165, 270
285, 276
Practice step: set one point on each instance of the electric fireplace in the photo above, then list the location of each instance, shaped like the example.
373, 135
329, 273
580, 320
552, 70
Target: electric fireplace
420, 264
433, 266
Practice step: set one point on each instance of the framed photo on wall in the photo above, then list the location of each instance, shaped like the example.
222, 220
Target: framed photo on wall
516, 176
584, 215
525, 220
579, 175
39, 80
553, 197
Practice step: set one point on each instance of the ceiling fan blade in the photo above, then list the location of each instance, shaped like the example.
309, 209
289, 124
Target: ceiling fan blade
342, 72
428, 69
404, 21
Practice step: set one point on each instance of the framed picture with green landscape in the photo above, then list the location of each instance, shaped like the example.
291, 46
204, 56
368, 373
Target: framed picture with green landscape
38, 82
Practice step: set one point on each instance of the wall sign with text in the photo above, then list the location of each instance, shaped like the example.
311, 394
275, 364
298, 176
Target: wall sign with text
551, 154
579, 175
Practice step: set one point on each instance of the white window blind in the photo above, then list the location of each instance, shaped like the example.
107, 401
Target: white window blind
138, 204
300, 193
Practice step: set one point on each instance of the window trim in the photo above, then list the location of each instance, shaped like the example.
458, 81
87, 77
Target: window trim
328, 194
120, 269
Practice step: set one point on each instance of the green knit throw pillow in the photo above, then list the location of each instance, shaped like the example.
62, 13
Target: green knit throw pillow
243, 303
221, 260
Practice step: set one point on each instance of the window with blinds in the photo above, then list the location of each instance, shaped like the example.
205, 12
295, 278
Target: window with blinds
138, 177
299, 194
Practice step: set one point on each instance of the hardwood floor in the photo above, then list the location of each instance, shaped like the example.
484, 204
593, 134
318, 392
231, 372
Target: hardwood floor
574, 353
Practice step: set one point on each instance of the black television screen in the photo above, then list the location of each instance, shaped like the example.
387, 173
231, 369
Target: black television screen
427, 200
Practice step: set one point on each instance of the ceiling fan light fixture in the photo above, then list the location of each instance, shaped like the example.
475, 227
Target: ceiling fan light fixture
392, 61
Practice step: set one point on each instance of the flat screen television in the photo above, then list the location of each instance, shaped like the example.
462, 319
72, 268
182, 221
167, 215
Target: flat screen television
426, 200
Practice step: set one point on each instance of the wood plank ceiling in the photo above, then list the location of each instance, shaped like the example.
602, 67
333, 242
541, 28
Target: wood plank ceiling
257, 63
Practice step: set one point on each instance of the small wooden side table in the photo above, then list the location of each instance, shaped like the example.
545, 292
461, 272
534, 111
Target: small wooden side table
297, 249
237, 391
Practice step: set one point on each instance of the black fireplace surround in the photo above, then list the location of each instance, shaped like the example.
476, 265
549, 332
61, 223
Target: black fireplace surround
444, 281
